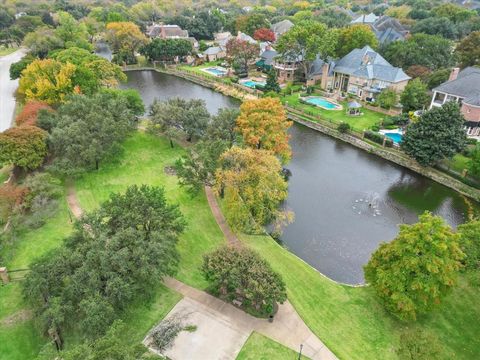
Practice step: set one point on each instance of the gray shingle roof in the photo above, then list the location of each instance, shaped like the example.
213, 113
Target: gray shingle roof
267, 56
282, 27
214, 50
466, 85
365, 19
388, 29
368, 64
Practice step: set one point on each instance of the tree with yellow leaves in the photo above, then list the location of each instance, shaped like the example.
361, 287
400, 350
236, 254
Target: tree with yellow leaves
47, 80
251, 182
264, 124
125, 38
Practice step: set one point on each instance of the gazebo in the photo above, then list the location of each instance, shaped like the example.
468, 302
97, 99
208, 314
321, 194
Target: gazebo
354, 108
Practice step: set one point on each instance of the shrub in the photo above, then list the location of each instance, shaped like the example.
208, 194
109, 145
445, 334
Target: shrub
378, 138
11, 198
241, 272
165, 333
470, 244
29, 113
343, 127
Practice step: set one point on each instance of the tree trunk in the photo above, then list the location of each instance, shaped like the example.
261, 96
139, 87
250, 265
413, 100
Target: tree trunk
171, 143
96, 164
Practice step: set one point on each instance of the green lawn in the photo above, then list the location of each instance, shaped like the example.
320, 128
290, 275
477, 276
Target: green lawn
358, 123
7, 51
4, 173
259, 347
143, 162
198, 69
19, 338
355, 326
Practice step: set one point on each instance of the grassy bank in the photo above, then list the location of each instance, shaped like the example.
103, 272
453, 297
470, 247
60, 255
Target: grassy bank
143, 162
354, 325
19, 338
358, 123
259, 347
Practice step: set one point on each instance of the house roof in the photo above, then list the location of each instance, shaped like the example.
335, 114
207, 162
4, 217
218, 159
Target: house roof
388, 29
222, 35
282, 27
365, 19
267, 56
245, 37
213, 50
167, 31
466, 85
367, 63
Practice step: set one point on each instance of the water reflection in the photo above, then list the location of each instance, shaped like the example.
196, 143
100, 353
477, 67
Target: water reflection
347, 201
333, 231
153, 85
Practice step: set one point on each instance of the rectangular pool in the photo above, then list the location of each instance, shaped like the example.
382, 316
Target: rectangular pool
323, 103
217, 71
252, 84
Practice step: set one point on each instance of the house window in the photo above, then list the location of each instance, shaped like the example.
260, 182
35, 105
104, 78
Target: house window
288, 75
439, 98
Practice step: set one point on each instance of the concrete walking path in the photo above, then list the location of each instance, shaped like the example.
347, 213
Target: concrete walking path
288, 328
219, 218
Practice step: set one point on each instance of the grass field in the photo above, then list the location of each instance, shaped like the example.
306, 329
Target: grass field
349, 320
358, 123
7, 51
354, 325
259, 347
143, 162
19, 339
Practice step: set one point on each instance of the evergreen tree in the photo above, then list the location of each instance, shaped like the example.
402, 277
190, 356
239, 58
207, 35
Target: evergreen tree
272, 82
438, 134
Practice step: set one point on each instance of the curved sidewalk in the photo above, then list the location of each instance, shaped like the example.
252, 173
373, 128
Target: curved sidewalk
288, 328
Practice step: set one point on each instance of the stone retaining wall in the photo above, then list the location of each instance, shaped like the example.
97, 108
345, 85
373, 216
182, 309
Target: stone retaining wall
393, 156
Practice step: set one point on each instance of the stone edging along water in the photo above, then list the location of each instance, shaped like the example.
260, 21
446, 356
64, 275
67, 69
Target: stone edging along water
386, 153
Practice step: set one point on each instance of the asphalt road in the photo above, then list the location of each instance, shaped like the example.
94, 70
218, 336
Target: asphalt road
7, 89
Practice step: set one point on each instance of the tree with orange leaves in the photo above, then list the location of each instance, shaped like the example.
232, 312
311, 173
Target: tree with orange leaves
263, 124
29, 114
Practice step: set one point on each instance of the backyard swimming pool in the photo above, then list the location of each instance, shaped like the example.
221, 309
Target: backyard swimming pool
217, 71
323, 103
395, 135
252, 84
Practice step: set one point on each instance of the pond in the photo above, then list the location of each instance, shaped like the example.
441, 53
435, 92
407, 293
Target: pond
154, 85
346, 201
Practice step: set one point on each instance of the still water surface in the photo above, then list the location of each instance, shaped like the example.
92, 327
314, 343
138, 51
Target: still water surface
346, 201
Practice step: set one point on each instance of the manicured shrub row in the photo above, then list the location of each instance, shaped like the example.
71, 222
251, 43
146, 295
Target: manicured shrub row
378, 138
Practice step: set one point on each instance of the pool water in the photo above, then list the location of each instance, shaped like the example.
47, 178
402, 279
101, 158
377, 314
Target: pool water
215, 71
324, 103
252, 84
396, 137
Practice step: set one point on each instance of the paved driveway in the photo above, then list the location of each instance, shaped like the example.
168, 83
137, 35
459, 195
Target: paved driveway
7, 88
222, 329
216, 336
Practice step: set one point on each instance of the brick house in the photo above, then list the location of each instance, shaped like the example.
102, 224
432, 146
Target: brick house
365, 73
464, 88
362, 72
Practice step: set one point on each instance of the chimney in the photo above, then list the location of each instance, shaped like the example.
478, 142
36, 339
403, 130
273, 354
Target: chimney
454, 74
